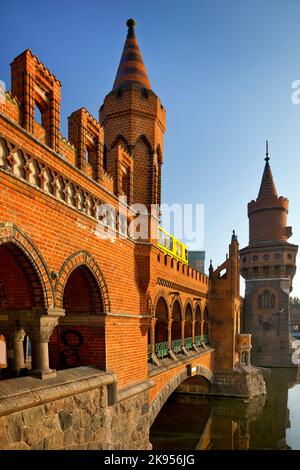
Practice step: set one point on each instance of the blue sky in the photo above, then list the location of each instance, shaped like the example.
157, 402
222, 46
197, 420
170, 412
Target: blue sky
223, 70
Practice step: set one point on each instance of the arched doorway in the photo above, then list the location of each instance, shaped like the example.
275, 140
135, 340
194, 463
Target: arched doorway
161, 329
176, 327
188, 327
21, 299
79, 338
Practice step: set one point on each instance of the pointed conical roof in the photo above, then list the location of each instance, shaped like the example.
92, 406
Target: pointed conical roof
131, 68
267, 186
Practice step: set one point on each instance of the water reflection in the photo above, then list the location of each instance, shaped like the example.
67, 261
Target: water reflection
193, 422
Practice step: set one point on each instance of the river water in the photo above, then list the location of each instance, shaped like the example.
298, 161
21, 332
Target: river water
189, 422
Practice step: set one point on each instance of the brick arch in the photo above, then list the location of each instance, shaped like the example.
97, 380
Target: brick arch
172, 385
163, 295
190, 303
178, 299
120, 138
143, 138
10, 234
81, 258
197, 304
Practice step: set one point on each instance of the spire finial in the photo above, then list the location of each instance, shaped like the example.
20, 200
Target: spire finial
234, 236
131, 23
210, 269
267, 152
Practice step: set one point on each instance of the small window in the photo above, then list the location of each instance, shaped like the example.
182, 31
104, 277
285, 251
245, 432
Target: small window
266, 300
277, 256
266, 257
255, 258
38, 115
244, 259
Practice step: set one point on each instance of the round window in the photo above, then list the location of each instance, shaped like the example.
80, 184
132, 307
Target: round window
277, 256
255, 258
266, 257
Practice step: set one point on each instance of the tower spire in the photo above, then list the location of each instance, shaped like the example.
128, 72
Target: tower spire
267, 187
131, 69
267, 152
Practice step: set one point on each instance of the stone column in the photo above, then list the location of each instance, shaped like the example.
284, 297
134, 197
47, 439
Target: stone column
39, 332
18, 336
184, 350
182, 332
193, 330
170, 333
171, 353
152, 335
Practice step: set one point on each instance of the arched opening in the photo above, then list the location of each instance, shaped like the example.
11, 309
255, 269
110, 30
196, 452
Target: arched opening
206, 326
161, 329
79, 338
176, 328
198, 334
188, 327
82, 295
182, 421
21, 290
266, 300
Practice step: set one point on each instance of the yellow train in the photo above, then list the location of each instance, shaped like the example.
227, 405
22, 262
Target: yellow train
171, 246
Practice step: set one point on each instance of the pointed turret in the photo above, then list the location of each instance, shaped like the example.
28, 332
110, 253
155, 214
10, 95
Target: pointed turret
267, 187
134, 119
131, 69
268, 213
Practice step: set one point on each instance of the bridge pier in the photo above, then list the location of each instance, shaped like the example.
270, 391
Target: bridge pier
78, 409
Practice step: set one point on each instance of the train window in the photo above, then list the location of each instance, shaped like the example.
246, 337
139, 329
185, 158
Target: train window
178, 249
169, 243
186, 254
161, 238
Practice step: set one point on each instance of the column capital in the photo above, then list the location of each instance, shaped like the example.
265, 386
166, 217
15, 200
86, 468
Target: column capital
40, 329
17, 334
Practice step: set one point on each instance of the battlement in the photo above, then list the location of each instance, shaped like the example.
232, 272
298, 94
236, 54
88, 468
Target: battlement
181, 270
38, 64
279, 202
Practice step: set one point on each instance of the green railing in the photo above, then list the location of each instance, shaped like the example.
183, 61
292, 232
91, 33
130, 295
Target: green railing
162, 349
198, 340
188, 343
205, 339
176, 345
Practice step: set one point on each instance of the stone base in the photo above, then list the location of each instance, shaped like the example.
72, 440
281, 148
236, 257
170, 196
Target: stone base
242, 382
43, 374
275, 360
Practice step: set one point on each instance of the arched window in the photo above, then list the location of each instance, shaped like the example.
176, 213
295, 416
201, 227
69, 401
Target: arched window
266, 300
161, 329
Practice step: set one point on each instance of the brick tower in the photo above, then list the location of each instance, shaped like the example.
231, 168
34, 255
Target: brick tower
134, 119
268, 265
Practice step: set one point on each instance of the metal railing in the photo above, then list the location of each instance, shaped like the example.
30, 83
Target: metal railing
162, 349
176, 345
205, 339
188, 343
